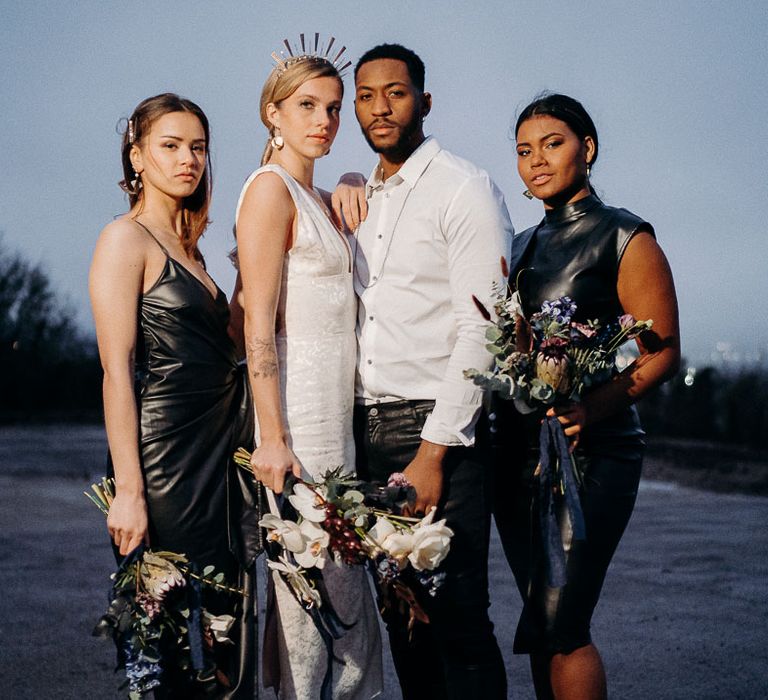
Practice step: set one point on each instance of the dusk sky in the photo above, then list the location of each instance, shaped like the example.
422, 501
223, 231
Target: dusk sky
678, 90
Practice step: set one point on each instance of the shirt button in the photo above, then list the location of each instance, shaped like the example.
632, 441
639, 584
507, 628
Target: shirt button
386, 195
370, 318
375, 278
379, 236
370, 362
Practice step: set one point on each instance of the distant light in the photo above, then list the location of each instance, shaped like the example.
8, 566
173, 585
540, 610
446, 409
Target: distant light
690, 376
15, 345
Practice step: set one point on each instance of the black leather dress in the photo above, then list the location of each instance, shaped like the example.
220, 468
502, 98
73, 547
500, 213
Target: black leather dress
194, 411
574, 251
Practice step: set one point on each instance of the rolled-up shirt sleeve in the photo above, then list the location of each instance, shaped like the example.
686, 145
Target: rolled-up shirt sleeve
478, 234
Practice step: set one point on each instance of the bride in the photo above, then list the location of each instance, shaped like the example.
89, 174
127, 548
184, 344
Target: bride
300, 310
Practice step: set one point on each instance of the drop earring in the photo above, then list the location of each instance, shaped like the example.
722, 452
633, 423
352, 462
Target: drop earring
277, 141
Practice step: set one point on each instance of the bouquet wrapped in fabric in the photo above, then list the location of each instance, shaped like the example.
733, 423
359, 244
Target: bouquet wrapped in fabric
548, 361
155, 616
356, 523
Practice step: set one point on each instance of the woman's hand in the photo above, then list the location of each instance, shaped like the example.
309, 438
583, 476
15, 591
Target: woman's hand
573, 418
271, 461
127, 521
348, 201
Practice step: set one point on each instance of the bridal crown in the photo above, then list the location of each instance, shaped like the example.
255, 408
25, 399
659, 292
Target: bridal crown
300, 52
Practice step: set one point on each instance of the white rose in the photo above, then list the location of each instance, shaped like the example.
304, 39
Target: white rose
398, 546
431, 543
380, 531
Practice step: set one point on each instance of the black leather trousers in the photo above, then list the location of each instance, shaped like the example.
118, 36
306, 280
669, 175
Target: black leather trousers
455, 656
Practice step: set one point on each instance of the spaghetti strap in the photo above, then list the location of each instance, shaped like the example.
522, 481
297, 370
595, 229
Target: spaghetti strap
152, 236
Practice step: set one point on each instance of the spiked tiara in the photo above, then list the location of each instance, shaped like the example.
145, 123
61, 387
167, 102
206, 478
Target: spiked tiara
302, 51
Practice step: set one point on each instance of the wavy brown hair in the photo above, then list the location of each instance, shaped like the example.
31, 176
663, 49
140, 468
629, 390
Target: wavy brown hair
195, 207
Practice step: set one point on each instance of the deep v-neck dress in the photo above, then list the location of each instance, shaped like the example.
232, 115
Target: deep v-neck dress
194, 410
317, 351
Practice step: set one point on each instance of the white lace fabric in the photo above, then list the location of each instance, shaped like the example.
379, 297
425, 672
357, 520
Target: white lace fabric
317, 351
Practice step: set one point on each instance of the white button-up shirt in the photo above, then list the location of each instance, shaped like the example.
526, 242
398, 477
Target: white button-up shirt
434, 236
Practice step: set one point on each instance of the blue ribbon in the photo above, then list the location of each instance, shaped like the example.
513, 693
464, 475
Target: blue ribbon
557, 474
194, 624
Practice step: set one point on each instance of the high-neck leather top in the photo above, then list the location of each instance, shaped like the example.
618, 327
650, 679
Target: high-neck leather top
574, 251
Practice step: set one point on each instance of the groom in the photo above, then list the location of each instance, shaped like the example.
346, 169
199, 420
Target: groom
435, 230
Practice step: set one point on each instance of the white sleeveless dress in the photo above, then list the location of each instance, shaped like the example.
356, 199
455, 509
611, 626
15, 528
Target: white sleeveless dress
317, 350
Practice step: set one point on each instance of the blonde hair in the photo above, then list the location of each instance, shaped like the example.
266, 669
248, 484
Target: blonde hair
281, 84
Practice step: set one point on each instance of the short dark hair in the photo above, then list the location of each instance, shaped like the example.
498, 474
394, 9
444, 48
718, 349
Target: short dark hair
564, 108
397, 52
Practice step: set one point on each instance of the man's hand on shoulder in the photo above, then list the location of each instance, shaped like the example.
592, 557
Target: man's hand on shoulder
348, 201
425, 472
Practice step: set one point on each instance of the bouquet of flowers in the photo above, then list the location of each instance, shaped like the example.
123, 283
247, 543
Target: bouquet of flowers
540, 363
155, 616
551, 359
355, 523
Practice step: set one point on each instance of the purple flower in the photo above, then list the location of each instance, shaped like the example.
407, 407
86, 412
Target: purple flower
580, 331
387, 568
143, 675
561, 310
398, 480
626, 321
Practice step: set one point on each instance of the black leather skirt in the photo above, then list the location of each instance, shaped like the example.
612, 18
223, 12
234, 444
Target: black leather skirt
557, 620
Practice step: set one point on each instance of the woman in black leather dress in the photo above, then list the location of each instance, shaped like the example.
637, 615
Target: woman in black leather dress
607, 260
176, 402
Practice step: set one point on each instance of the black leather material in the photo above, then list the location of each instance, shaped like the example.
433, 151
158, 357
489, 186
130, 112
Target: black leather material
194, 411
456, 656
574, 251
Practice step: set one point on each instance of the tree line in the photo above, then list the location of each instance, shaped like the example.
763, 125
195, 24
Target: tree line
49, 370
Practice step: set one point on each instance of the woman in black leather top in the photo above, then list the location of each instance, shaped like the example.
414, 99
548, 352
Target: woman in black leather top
176, 403
607, 260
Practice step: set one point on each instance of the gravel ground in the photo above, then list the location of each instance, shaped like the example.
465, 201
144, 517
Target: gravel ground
684, 613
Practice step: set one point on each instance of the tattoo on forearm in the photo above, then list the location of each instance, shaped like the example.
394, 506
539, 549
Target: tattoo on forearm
261, 357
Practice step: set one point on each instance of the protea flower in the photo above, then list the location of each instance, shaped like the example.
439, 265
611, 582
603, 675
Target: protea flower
159, 576
553, 366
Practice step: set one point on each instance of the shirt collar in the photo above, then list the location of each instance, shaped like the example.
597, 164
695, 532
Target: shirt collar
410, 171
